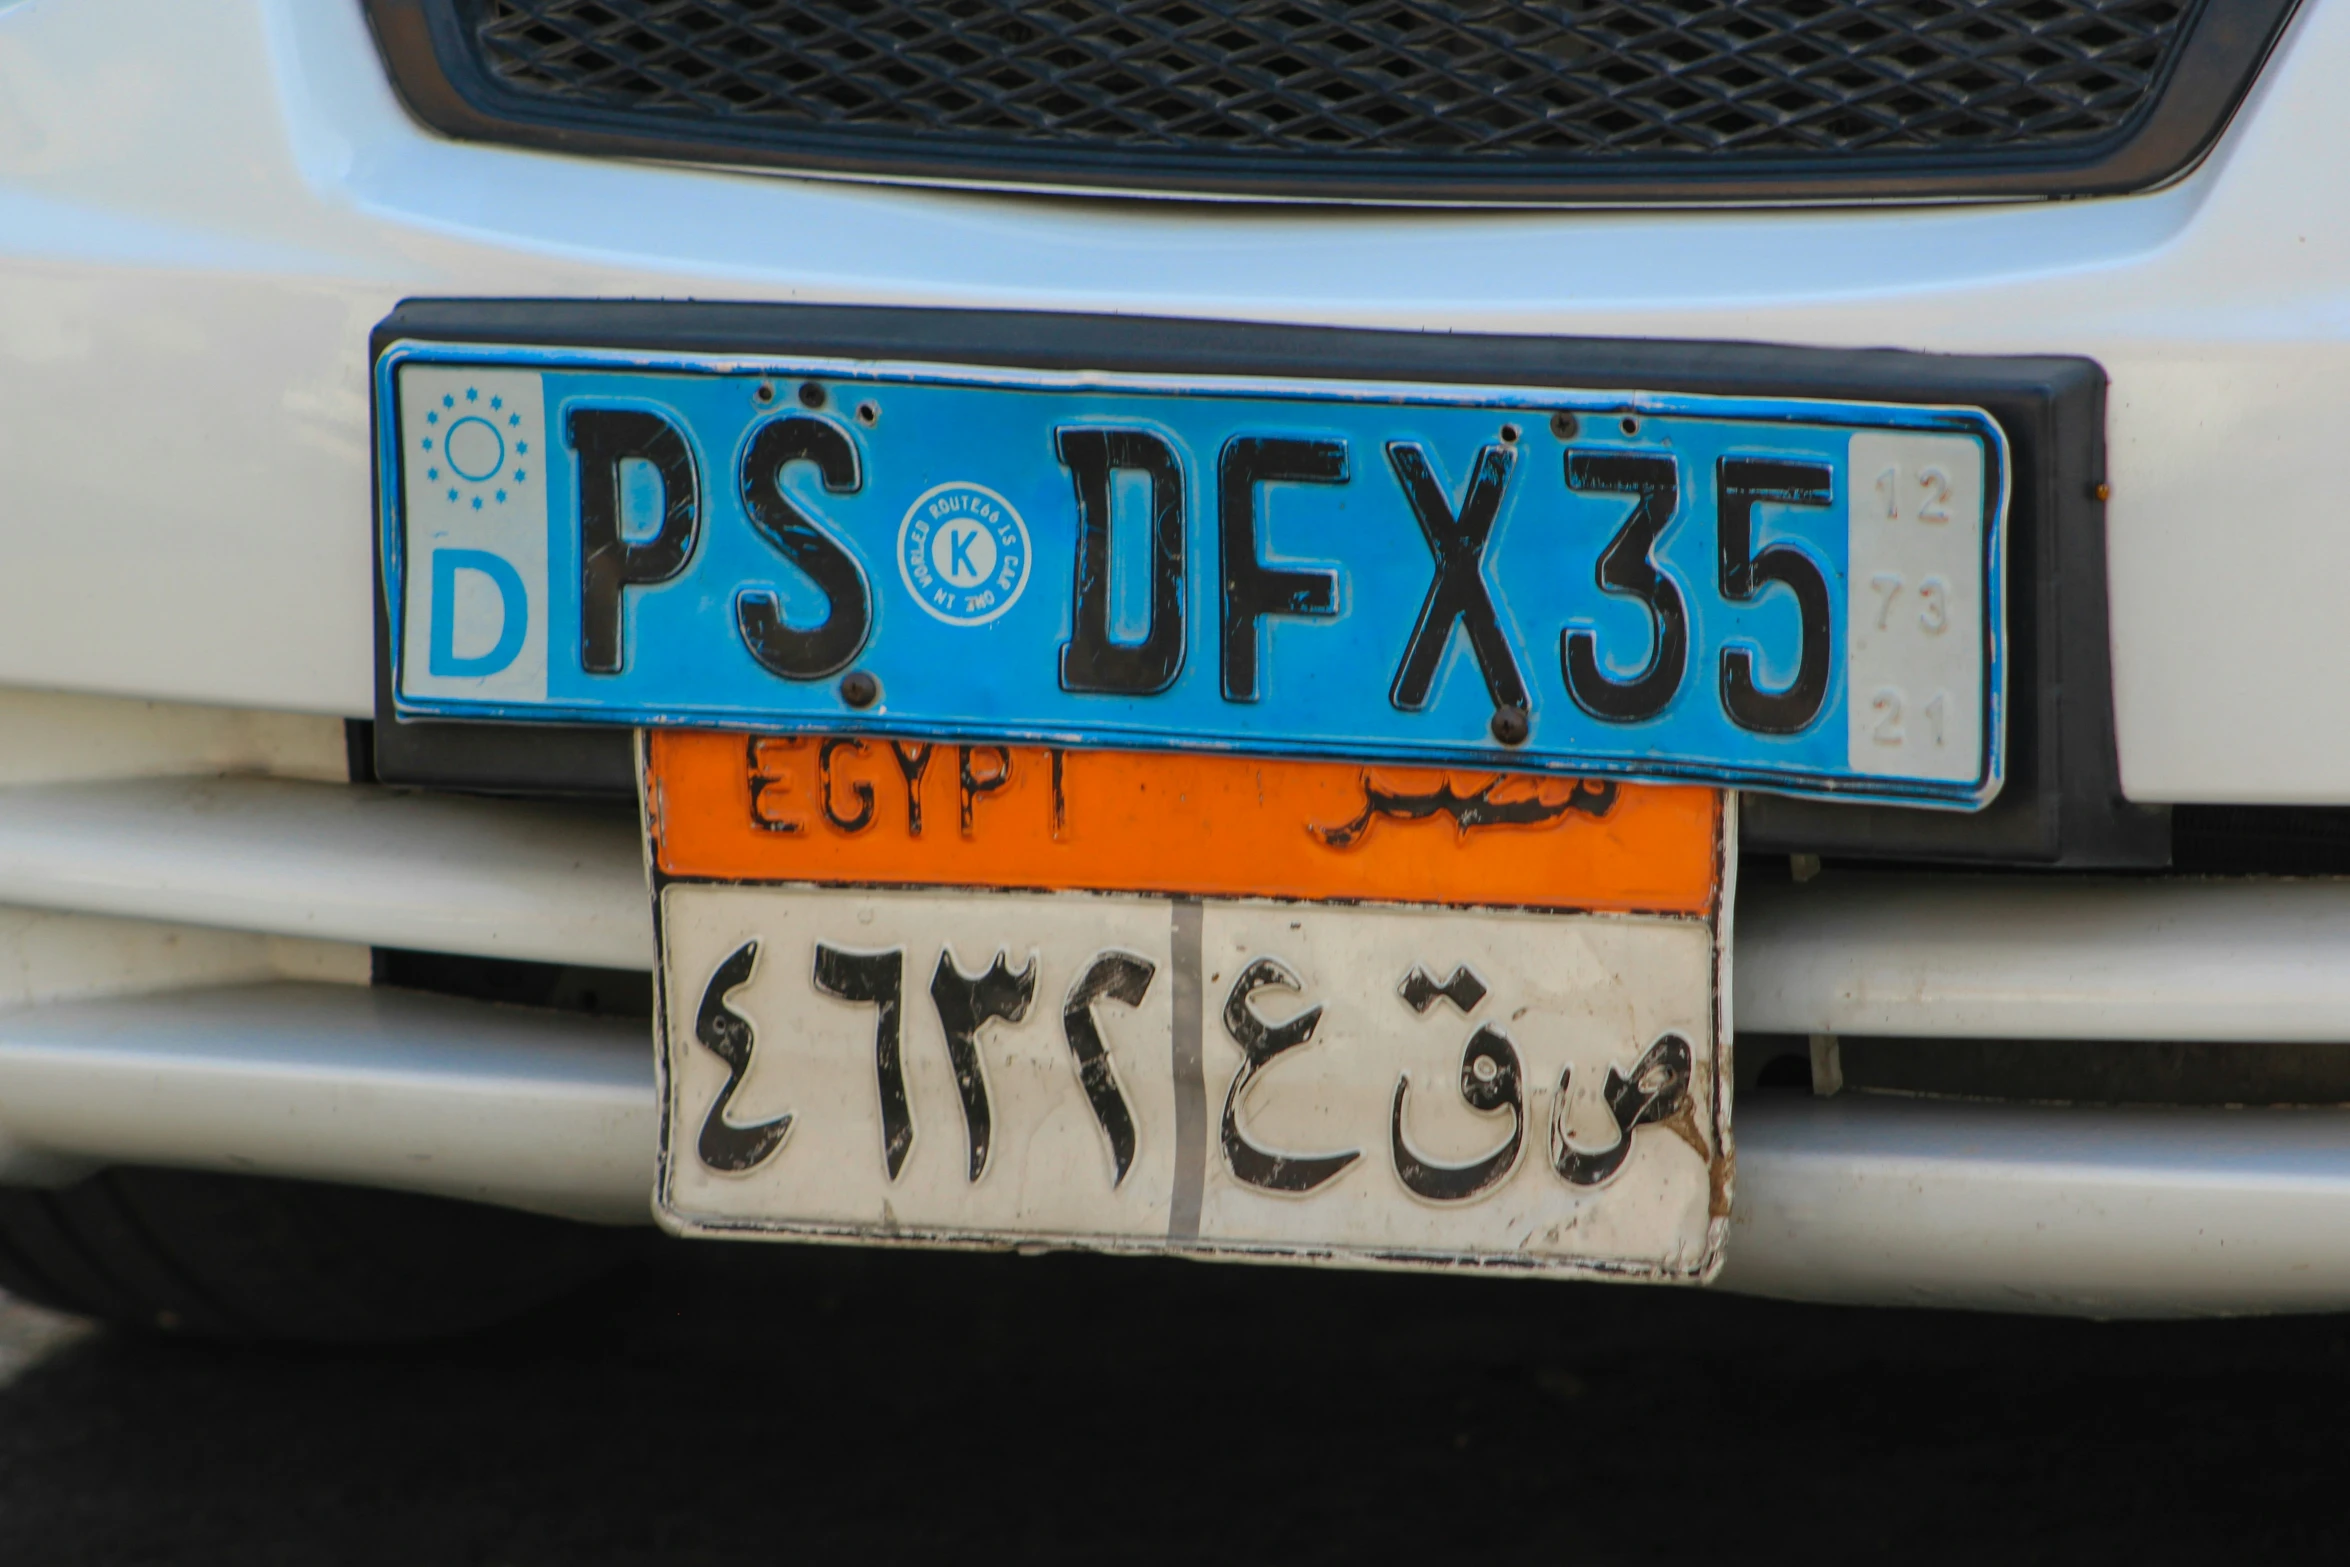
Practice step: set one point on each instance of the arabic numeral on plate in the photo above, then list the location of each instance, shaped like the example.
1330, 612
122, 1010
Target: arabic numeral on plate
728, 1035
1932, 601
1117, 976
1933, 714
1742, 485
965, 1004
1887, 705
877, 979
1888, 585
1628, 568
1934, 612
1935, 483
1933, 487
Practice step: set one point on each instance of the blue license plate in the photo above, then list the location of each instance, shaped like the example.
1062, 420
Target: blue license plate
1773, 592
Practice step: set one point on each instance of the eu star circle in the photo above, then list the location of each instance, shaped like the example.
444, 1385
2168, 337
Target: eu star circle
474, 449
963, 553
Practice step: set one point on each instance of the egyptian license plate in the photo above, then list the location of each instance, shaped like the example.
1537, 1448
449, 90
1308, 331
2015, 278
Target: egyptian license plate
982, 994
1798, 595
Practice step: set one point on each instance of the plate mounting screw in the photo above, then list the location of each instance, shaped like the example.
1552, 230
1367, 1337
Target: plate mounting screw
859, 689
1511, 725
811, 395
1564, 426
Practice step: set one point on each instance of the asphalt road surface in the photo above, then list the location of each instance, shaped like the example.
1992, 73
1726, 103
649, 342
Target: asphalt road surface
757, 1405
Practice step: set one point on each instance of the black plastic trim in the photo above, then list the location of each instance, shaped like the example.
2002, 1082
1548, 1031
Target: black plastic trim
2061, 805
2061, 1071
445, 87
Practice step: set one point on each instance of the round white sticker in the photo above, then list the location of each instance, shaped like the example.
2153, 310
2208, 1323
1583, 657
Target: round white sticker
963, 553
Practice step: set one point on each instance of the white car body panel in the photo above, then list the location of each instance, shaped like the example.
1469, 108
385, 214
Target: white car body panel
207, 207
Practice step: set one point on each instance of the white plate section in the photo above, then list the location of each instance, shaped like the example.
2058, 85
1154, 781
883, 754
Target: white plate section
1915, 658
1300, 1160
475, 621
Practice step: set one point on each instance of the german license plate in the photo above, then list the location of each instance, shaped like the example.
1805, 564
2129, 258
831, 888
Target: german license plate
984, 994
1791, 594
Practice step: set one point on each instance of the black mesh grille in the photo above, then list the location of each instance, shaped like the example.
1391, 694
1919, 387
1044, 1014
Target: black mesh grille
1540, 82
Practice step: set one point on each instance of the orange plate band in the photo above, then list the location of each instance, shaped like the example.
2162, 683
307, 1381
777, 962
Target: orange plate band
876, 812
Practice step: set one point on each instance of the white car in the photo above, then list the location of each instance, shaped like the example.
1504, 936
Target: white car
1685, 641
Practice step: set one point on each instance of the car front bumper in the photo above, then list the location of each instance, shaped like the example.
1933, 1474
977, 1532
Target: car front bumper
203, 212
